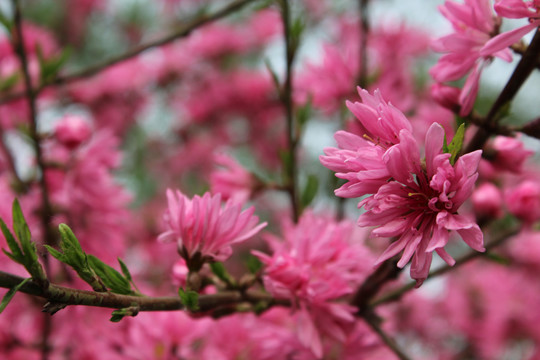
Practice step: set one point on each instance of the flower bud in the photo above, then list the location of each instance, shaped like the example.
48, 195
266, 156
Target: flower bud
523, 201
72, 130
446, 96
487, 201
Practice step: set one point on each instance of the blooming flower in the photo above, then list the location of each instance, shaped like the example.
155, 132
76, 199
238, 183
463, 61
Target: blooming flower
474, 25
415, 201
316, 264
205, 229
419, 205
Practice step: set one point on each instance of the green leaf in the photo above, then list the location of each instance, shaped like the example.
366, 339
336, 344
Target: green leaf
219, 270
9, 295
55, 253
16, 252
304, 112
287, 161
9, 82
119, 314
297, 28
310, 190
73, 252
125, 270
457, 142
110, 277
50, 67
21, 229
189, 298
253, 264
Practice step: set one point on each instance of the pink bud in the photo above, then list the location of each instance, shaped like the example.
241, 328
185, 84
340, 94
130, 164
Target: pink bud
510, 154
487, 201
72, 130
523, 201
446, 96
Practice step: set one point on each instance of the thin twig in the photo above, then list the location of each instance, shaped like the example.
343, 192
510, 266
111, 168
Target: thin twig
364, 35
30, 93
373, 321
526, 65
92, 70
69, 296
292, 136
397, 294
46, 208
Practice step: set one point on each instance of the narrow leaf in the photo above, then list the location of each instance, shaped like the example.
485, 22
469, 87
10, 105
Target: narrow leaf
56, 254
125, 270
110, 277
457, 142
16, 251
9, 295
6, 22
253, 264
310, 190
219, 270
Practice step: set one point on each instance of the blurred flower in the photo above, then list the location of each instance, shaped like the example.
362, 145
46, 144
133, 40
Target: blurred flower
487, 201
72, 130
523, 201
233, 181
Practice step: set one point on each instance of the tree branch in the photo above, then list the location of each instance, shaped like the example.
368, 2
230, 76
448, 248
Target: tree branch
92, 70
397, 294
69, 296
373, 321
292, 136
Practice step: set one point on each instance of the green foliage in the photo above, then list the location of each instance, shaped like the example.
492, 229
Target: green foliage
455, 145
92, 270
253, 264
9, 295
219, 270
9, 82
50, 67
309, 192
303, 113
189, 298
110, 277
24, 250
119, 314
275, 78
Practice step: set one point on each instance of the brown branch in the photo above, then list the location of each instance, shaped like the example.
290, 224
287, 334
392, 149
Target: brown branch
286, 98
373, 321
92, 70
397, 294
68, 296
30, 93
526, 65
364, 34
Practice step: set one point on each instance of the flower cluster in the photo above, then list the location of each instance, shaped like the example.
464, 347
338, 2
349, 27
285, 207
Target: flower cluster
412, 199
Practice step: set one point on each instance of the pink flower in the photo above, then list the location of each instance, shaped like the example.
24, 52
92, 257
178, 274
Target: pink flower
487, 201
523, 201
419, 205
510, 154
473, 24
316, 264
71, 131
233, 181
204, 229
513, 9
380, 120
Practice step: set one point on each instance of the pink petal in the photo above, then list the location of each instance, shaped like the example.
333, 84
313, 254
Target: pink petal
504, 40
473, 237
